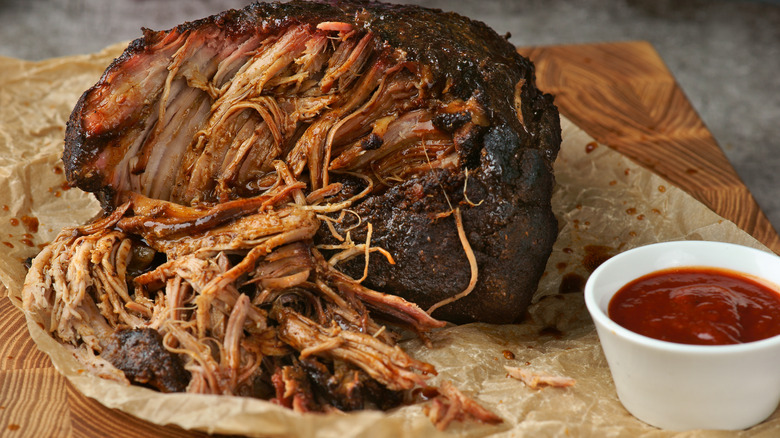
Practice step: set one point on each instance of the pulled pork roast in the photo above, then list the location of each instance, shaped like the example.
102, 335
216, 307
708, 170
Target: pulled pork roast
282, 182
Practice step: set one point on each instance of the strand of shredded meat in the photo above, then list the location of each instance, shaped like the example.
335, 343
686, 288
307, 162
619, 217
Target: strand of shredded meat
537, 380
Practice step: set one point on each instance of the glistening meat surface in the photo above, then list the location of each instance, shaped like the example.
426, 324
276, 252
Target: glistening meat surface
284, 185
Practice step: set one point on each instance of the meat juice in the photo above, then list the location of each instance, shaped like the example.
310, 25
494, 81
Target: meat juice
698, 305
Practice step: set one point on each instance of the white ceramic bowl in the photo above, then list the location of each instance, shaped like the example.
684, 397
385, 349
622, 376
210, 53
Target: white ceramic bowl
678, 386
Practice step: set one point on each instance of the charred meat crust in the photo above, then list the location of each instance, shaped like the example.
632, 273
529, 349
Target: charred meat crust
509, 231
349, 389
139, 353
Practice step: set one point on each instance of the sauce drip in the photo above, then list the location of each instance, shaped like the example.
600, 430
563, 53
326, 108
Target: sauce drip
704, 306
30, 223
595, 255
572, 283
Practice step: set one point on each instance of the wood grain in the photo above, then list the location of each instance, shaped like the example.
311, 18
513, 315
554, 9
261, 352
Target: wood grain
622, 94
33, 403
17, 349
91, 419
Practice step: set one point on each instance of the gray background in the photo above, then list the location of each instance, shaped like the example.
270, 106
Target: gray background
724, 53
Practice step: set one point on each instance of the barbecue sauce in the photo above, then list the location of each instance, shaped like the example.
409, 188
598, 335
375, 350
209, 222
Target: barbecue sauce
703, 306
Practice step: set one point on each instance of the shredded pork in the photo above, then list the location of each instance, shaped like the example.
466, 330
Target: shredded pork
223, 150
537, 380
241, 296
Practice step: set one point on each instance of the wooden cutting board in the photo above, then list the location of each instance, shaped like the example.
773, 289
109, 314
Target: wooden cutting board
622, 94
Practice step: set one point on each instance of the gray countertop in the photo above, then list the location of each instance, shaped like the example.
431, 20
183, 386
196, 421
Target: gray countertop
724, 54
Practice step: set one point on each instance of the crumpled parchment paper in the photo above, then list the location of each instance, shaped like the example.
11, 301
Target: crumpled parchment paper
605, 204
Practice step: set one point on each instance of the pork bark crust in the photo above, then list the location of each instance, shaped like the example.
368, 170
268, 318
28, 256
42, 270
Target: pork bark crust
421, 103
139, 353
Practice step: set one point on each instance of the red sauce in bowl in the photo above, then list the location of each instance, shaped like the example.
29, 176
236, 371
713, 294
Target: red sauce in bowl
693, 305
